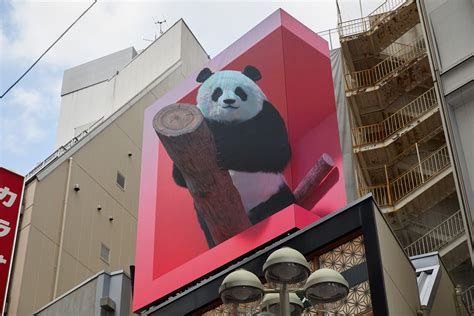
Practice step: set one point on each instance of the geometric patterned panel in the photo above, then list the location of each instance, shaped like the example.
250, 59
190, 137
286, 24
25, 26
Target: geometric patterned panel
223, 310
218, 311
357, 301
345, 256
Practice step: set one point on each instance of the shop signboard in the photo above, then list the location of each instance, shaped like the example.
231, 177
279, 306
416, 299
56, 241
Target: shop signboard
11, 188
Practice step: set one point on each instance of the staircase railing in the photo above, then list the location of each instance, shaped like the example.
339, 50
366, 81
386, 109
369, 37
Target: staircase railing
404, 184
394, 62
409, 150
420, 174
365, 24
379, 132
381, 194
468, 298
438, 236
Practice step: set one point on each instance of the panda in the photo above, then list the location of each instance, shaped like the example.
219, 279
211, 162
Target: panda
251, 141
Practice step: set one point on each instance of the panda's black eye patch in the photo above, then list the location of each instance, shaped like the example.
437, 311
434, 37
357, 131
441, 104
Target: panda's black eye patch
241, 93
216, 94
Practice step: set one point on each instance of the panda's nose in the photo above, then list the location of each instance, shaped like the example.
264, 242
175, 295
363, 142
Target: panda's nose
229, 101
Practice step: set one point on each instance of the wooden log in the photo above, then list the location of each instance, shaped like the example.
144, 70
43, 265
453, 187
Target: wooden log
313, 178
188, 141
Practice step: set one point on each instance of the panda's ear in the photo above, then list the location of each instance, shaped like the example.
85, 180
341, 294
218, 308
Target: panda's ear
204, 75
252, 73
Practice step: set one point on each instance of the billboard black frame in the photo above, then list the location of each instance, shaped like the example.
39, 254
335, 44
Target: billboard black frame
357, 217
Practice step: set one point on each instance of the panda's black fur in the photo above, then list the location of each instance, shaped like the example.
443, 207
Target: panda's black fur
259, 144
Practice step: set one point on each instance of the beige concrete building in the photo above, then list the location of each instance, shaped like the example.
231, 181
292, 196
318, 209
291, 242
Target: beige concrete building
80, 205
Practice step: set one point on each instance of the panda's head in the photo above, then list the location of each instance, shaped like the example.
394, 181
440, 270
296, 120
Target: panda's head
230, 96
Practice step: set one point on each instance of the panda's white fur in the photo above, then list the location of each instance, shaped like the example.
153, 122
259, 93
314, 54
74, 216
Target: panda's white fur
254, 187
228, 81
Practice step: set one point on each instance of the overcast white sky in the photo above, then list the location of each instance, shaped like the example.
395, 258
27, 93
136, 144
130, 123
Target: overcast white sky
29, 113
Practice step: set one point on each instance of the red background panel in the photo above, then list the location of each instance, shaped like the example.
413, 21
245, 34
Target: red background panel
296, 78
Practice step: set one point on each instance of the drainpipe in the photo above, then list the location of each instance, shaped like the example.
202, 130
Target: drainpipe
61, 238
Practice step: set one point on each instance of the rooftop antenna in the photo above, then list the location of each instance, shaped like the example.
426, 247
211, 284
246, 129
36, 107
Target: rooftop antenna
160, 23
161, 29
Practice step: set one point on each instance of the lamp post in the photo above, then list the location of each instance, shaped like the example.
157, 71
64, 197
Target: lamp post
287, 272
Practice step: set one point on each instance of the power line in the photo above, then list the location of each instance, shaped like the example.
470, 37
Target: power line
44, 53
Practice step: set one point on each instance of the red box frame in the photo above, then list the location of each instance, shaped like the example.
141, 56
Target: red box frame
301, 51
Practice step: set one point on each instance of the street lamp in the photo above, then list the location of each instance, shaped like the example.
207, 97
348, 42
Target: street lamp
241, 289
325, 286
286, 266
286, 270
271, 303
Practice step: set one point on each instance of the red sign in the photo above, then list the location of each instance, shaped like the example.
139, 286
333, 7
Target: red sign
290, 69
11, 189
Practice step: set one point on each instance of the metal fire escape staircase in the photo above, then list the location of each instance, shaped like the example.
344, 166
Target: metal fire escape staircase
399, 57
381, 72
444, 234
426, 172
407, 118
364, 37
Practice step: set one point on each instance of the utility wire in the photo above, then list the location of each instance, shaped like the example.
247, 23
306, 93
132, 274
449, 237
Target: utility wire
51, 46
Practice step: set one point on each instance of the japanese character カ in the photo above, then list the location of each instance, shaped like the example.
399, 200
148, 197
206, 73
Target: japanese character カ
4, 192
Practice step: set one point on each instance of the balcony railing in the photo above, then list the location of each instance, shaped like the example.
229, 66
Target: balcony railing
395, 190
368, 23
439, 236
332, 37
379, 132
468, 298
62, 150
387, 67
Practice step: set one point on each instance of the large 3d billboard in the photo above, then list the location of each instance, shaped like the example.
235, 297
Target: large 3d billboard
268, 104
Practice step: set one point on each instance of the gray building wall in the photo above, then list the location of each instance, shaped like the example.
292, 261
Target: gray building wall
102, 295
95, 71
449, 25
343, 124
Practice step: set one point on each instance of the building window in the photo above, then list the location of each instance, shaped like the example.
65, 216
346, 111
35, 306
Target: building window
104, 253
121, 180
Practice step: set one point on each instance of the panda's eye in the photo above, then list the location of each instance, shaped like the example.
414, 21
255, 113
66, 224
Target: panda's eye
216, 94
241, 93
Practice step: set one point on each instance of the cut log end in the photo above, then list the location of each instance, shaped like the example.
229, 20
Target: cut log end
188, 141
313, 178
177, 119
327, 160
